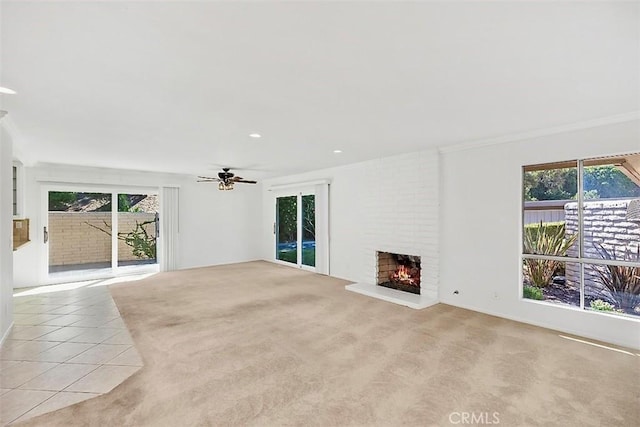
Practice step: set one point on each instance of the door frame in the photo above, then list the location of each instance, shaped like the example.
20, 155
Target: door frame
298, 193
114, 270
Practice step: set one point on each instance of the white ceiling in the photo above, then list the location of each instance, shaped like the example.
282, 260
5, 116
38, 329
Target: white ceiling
176, 86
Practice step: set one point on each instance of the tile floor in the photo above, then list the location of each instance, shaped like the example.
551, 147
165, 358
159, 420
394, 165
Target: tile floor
66, 346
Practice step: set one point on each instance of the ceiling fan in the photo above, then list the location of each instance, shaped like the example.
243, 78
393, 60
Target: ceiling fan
226, 179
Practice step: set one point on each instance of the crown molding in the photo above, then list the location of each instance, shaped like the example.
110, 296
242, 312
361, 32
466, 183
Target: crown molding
289, 185
506, 139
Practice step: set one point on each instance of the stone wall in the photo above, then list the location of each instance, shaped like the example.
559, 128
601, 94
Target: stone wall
73, 241
604, 224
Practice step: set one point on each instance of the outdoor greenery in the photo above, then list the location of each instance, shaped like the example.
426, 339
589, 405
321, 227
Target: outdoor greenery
531, 292
623, 282
600, 305
62, 201
562, 184
287, 230
607, 287
308, 256
552, 184
142, 243
542, 240
124, 203
287, 208
548, 228
608, 182
308, 217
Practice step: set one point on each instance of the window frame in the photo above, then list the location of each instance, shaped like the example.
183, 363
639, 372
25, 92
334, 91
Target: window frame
18, 189
581, 260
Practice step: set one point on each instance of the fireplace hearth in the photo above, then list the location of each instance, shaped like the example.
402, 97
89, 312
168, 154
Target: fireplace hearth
399, 271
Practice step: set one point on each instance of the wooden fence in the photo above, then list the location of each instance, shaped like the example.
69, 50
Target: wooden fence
545, 211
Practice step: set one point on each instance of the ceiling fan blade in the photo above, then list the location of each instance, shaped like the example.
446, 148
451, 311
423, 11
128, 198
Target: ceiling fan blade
251, 167
246, 181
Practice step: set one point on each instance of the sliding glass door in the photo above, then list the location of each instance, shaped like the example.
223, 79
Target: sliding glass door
137, 229
294, 230
287, 229
98, 233
79, 232
308, 220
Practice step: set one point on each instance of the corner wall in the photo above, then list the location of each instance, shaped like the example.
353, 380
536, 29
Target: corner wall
6, 233
481, 229
389, 204
6, 224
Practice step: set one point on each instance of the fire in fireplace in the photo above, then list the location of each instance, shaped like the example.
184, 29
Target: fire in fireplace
398, 271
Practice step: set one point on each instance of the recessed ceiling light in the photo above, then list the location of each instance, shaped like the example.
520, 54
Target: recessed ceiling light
7, 91
337, 151
255, 135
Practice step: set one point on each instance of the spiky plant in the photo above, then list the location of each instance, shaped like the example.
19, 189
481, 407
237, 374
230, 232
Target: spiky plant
543, 240
622, 281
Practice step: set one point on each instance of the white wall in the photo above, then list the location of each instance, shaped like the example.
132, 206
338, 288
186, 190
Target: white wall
216, 227
6, 233
392, 203
480, 252
6, 225
388, 204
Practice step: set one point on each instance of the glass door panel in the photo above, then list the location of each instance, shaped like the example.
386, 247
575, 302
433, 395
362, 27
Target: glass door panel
309, 230
137, 229
287, 229
78, 231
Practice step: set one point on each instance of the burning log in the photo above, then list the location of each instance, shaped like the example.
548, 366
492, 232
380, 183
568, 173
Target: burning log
406, 276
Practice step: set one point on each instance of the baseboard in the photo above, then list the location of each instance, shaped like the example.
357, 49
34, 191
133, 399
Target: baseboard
6, 334
542, 325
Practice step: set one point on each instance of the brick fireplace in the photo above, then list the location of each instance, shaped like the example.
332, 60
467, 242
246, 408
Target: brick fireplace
394, 218
399, 271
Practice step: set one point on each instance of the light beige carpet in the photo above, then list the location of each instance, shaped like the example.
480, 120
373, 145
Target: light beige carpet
260, 344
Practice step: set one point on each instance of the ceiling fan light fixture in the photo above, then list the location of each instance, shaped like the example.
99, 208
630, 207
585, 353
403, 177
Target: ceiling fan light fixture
225, 185
225, 179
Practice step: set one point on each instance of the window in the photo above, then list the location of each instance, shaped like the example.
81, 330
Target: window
581, 234
15, 191
17, 185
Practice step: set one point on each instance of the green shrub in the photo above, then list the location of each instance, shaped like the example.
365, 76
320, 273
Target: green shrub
601, 305
547, 227
531, 292
142, 243
622, 281
545, 239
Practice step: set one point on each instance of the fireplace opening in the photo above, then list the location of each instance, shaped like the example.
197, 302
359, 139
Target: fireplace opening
398, 271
